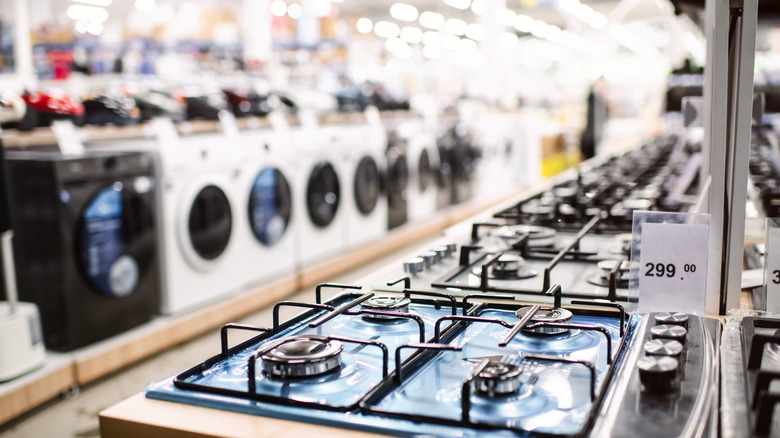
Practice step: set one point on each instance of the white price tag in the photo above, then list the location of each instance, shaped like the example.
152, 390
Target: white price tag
308, 119
68, 139
673, 267
278, 122
772, 266
227, 122
167, 136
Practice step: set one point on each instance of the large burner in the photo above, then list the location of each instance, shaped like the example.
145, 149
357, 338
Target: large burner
601, 277
546, 315
385, 304
497, 379
303, 356
508, 267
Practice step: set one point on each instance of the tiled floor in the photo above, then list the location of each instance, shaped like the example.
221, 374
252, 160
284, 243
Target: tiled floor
76, 414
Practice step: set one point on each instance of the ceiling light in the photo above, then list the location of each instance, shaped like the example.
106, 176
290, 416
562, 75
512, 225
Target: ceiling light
505, 17
524, 23
403, 12
431, 38
278, 8
94, 2
411, 34
467, 45
458, 4
479, 7
386, 29
455, 26
364, 25
87, 13
82, 26
476, 32
95, 28
294, 11
431, 20
508, 40
431, 52
450, 42
144, 6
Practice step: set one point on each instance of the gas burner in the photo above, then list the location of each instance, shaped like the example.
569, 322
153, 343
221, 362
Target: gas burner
538, 237
302, 356
627, 208
508, 267
622, 244
546, 315
497, 379
537, 207
385, 304
601, 278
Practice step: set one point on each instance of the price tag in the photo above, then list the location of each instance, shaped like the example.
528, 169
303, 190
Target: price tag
227, 122
772, 266
278, 122
673, 267
68, 139
308, 119
167, 136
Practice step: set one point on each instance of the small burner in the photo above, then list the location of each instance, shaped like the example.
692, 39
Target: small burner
497, 379
508, 267
385, 304
622, 244
601, 278
303, 356
538, 237
546, 314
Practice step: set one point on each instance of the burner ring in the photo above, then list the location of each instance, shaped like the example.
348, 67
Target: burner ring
497, 379
601, 277
508, 267
546, 315
303, 356
386, 304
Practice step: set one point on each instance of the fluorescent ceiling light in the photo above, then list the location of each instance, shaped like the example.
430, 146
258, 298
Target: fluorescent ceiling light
455, 26
95, 28
145, 6
294, 11
87, 13
479, 7
451, 42
431, 20
476, 32
524, 23
505, 17
431, 38
508, 40
458, 4
94, 2
467, 45
364, 25
386, 29
403, 12
411, 34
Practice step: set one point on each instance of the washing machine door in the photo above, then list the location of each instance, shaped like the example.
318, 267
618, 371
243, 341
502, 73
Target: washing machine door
115, 238
209, 222
426, 175
397, 182
323, 193
270, 203
367, 185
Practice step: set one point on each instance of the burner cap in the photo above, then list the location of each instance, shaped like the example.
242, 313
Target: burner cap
537, 236
663, 331
497, 379
663, 347
303, 356
546, 314
510, 266
622, 244
673, 318
386, 304
601, 277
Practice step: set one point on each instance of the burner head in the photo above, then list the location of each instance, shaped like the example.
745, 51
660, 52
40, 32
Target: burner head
601, 278
303, 356
663, 347
510, 267
622, 244
385, 304
672, 318
538, 237
497, 379
546, 315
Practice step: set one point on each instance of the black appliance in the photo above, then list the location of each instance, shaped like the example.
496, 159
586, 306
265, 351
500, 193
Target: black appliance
397, 180
85, 242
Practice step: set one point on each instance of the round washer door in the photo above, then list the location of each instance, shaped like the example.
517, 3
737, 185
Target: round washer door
269, 206
114, 229
397, 177
323, 193
425, 172
209, 222
367, 185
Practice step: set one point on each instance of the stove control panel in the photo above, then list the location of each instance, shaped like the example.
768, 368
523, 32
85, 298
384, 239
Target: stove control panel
665, 386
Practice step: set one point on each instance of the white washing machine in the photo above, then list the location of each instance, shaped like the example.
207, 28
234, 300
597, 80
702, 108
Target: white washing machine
197, 216
320, 186
361, 148
423, 164
266, 221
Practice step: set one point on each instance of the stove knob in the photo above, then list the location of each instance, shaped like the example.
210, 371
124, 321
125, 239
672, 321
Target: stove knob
671, 332
658, 373
442, 251
675, 318
663, 347
430, 258
414, 266
452, 248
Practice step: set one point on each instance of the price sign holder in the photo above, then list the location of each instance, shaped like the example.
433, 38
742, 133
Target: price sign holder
669, 262
68, 139
772, 266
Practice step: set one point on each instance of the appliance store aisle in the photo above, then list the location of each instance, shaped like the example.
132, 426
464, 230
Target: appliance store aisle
76, 414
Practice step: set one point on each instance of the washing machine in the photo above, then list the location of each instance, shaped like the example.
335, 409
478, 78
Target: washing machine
319, 190
266, 221
84, 242
199, 178
423, 166
361, 149
458, 156
397, 179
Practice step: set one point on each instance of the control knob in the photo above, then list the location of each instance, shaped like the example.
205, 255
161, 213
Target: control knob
430, 258
671, 318
414, 266
671, 332
663, 347
658, 373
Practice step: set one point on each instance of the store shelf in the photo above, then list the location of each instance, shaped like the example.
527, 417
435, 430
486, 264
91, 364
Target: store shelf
32, 390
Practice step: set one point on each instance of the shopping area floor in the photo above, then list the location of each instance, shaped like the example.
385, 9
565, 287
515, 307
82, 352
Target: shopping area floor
76, 414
